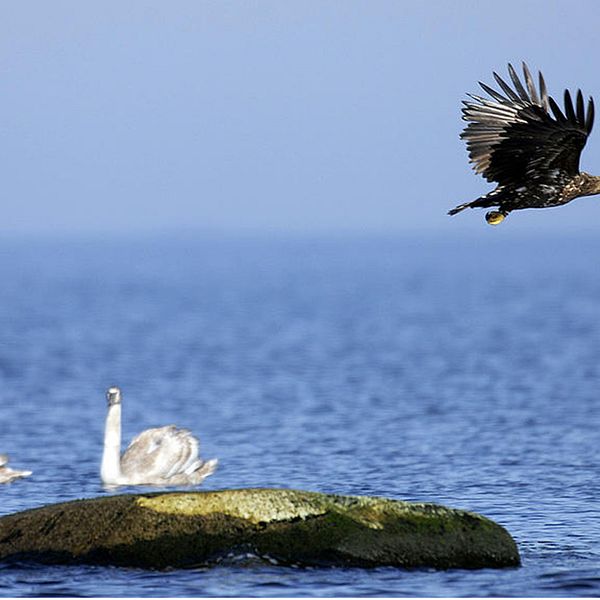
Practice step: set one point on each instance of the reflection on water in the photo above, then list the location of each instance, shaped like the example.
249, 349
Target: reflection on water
464, 373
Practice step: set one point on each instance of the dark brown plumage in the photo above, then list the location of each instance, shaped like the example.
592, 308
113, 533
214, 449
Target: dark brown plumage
524, 142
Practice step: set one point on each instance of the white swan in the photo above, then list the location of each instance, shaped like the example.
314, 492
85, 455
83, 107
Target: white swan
7, 474
160, 456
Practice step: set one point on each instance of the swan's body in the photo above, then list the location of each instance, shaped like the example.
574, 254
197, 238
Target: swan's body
159, 456
7, 474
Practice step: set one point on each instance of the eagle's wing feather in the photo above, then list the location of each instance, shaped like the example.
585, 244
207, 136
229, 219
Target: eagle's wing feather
523, 135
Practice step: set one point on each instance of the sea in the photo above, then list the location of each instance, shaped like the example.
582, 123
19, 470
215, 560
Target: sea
456, 369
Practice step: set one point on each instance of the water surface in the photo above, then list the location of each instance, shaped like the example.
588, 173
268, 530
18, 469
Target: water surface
462, 371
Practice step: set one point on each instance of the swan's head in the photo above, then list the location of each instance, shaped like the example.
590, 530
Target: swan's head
113, 395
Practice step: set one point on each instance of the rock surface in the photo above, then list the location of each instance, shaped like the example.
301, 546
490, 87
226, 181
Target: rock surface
186, 529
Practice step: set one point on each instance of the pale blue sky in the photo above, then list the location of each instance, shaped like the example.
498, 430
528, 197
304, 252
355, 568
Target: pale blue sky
300, 116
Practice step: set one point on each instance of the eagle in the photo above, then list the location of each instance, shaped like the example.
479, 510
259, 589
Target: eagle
523, 141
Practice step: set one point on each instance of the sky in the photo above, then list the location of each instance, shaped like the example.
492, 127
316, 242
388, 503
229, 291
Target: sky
260, 116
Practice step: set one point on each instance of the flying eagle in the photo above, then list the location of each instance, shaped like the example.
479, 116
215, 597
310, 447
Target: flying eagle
528, 146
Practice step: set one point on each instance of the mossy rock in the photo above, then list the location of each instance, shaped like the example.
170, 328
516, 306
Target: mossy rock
186, 529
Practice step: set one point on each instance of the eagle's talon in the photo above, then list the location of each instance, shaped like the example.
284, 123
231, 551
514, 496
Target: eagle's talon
495, 217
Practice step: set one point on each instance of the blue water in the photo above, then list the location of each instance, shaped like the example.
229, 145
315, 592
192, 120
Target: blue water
458, 371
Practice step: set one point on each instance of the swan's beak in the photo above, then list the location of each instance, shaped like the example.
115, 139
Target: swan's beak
113, 396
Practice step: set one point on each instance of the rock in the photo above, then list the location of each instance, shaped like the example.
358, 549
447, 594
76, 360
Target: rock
186, 529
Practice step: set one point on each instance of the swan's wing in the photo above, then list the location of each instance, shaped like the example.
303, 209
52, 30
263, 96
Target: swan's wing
7, 474
160, 453
194, 476
3, 459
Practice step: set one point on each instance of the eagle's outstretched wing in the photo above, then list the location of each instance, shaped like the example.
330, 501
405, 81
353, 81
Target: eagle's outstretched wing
522, 135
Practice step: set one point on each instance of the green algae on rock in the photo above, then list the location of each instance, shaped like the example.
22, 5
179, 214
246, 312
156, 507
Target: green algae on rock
186, 529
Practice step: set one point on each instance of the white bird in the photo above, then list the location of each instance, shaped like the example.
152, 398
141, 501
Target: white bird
7, 474
160, 456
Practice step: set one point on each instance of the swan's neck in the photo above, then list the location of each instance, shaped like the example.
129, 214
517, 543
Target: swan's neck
110, 470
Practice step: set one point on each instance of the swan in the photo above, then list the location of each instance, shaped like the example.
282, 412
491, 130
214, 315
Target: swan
160, 456
7, 474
